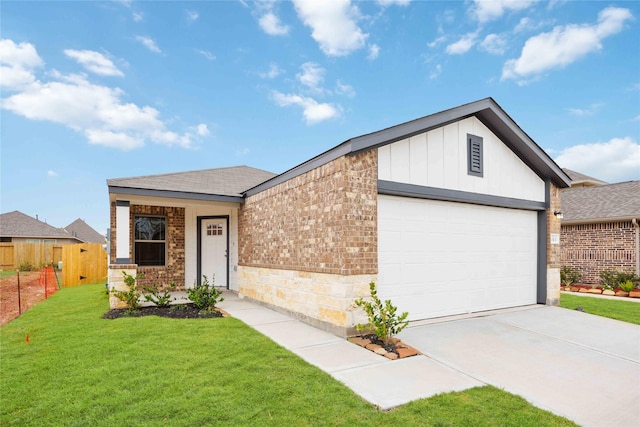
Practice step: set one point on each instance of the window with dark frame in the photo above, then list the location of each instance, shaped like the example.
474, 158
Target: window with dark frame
149, 240
474, 155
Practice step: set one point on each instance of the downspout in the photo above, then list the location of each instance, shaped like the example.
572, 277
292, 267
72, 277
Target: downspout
634, 221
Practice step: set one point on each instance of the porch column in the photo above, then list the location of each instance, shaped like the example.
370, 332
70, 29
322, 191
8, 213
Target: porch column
123, 232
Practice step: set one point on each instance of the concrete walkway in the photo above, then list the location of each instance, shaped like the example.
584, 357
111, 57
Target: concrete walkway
583, 367
364, 372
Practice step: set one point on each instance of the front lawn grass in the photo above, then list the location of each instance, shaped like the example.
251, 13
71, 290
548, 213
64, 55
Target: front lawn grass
627, 311
78, 369
7, 273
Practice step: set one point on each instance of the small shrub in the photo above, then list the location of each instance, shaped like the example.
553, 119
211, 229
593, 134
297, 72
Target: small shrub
160, 300
569, 276
382, 317
614, 279
26, 266
204, 295
131, 297
627, 286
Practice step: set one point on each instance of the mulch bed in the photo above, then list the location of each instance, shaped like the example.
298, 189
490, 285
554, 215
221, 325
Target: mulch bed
181, 311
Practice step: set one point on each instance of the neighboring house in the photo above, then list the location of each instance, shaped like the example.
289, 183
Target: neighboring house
18, 227
85, 232
600, 229
450, 213
580, 180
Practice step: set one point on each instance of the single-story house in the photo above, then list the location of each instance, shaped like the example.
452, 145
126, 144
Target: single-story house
601, 229
450, 213
18, 227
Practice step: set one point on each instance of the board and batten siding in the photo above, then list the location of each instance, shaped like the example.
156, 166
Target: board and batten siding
438, 158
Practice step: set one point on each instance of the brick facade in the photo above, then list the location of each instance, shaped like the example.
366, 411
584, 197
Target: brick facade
323, 221
174, 270
591, 248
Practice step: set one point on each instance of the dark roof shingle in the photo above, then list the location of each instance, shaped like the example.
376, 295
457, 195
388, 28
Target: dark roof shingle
17, 224
84, 232
231, 181
598, 203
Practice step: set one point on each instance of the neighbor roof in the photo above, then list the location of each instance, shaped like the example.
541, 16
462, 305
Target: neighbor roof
84, 232
602, 203
222, 184
486, 110
17, 224
578, 178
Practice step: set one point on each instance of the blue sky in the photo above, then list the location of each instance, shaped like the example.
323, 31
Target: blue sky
98, 90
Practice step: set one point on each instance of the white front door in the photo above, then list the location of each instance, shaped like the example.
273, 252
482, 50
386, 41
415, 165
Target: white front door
214, 251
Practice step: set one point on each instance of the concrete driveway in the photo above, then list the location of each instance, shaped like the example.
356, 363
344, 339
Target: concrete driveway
583, 367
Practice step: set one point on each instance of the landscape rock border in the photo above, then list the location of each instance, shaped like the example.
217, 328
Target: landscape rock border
396, 349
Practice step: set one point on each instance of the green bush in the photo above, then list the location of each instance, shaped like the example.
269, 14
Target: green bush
627, 286
204, 295
26, 266
569, 276
160, 300
383, 320
610, 279
131, 297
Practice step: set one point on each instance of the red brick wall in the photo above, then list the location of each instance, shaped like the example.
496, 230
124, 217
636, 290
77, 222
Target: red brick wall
323, 221
592, 248
173, 271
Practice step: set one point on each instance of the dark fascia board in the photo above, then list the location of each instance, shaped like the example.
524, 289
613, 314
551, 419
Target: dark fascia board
319, 160
491, 115
175, 194
391, 188
488, 112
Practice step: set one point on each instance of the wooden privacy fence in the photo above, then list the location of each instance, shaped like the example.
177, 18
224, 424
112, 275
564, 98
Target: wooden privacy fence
18, 254
83, 264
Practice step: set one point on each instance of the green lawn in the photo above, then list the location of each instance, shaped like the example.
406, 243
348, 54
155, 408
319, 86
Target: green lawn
626, 311
7, 273
78, 369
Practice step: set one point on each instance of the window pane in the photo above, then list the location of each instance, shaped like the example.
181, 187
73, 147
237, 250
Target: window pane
149, 253
149, 228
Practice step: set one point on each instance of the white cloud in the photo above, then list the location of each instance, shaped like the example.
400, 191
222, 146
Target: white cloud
386, 3
345, 89
149, 43
52, 174
312, 110
192, 16
333, 24
95, 111
489, 10
495, 44
242, 152
273, 72
271, 25
437, 41
435, 73
581, 112
138, 16
94, 61
17, 64
564, 45
463, 45
374, 51
312, 76
210, 56
202, 130
613, 161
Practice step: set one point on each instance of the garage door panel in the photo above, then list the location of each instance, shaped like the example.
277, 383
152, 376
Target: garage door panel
440, 258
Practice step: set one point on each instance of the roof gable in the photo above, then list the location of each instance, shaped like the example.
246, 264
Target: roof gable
84, 232
486, 110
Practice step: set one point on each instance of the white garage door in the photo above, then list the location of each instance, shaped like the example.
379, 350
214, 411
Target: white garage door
443, 258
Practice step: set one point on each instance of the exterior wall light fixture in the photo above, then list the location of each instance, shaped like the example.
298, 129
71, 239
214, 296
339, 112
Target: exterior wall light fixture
558, 214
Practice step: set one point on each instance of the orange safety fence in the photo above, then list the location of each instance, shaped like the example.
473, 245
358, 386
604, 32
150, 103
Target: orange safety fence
21, 290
